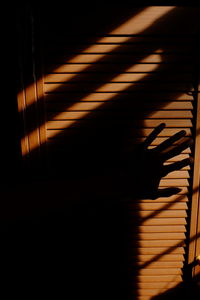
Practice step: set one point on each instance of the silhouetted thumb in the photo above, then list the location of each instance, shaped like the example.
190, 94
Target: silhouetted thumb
167, 192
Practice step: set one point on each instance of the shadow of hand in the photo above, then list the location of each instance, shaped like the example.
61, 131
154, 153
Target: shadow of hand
143, 170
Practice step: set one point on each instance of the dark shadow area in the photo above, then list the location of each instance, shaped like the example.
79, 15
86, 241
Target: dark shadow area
80, 242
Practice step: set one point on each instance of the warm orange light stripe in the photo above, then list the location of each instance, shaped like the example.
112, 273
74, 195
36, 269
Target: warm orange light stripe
135, 25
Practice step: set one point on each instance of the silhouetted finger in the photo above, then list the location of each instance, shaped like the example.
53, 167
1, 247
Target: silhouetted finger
176, 166
167, 192
153, 135
177, 149
170, 141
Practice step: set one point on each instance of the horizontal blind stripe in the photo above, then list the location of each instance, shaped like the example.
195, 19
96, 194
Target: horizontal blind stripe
161, 272
174, 198
163, 264
162, 221
168, 243
156, 285
74, 68
164, 228
157, 250
90, 106
86, 58
162, 214
162, 236
111, 88
163, 278
158, 206
124, 76
156, 95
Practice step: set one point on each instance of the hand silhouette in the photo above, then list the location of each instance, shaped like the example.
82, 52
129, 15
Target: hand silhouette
137, 176
143, 172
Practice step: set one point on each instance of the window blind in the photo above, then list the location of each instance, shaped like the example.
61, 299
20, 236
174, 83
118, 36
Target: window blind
105, 92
